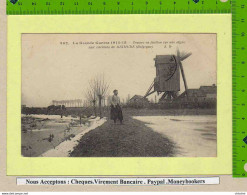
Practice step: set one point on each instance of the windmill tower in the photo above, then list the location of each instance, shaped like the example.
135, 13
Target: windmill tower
167, 80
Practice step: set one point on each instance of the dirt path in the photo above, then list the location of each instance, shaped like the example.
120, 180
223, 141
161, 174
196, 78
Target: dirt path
132, 139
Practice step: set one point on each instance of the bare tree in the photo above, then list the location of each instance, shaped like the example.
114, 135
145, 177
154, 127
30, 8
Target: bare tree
92, 98
98, 89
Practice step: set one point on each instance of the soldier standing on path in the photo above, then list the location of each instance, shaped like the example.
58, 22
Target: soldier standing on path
116, 110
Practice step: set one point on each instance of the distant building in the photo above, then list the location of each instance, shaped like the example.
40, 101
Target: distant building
204, 93
138, 99
209, 91
68, 103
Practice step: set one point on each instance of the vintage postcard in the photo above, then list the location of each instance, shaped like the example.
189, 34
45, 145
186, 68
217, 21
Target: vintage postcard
119, 95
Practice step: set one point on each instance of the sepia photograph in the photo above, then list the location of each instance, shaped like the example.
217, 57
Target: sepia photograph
119, 95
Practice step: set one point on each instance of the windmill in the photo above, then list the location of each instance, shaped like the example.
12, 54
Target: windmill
167, 80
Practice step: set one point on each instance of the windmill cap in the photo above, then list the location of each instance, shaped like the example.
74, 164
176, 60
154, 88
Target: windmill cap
164, 58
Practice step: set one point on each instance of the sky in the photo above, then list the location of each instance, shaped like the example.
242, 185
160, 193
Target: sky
55, 67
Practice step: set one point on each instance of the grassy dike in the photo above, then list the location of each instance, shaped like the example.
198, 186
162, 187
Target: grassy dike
132, 139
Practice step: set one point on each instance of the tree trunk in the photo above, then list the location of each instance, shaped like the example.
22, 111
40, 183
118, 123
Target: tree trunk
100, 111
94, 107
